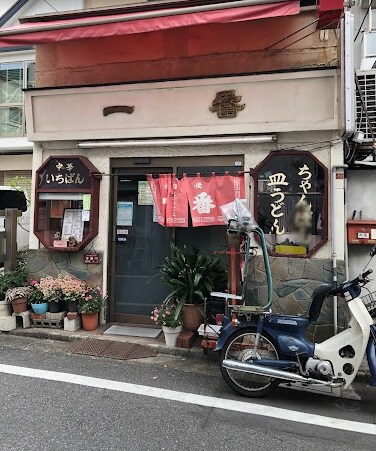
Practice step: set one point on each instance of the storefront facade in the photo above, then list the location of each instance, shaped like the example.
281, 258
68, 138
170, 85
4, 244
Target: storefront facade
222, 103
127, 267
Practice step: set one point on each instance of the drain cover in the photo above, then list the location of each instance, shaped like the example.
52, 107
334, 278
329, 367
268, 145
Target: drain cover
89, 347
112, 349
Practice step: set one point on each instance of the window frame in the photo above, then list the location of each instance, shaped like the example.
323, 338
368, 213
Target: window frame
25, 68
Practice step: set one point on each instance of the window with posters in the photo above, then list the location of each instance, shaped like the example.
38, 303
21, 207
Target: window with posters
66, 203
291, 202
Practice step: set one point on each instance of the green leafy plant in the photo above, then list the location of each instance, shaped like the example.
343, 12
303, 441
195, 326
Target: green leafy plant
192, 276
91, 300
12, 279
35, 296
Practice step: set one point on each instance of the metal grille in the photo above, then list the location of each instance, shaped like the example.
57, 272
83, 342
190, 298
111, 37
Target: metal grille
370, 302
112, 349
367, 84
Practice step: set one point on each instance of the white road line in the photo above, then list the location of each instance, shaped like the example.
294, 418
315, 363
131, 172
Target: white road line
192, 398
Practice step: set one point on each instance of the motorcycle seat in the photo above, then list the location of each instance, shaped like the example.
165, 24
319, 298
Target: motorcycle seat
318, 298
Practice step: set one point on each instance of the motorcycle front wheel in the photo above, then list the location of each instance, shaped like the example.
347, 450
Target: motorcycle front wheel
240, 346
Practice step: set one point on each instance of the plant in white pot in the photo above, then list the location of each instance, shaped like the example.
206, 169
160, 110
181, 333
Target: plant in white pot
170, 321
192, 276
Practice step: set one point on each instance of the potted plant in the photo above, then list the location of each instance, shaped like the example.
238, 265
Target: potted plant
90, 303
170, 321
18, 298
11, 279
36, 299
72, 290
192, 276
50, 287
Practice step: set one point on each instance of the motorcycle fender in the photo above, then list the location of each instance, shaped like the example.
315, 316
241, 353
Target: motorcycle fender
371, 355
226, 331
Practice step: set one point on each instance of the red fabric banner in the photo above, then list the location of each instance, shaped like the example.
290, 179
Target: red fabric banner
205, 196
201, 196
227, 189
160, 207
177, 203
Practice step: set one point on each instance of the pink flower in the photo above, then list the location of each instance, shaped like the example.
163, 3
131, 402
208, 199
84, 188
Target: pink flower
34, 282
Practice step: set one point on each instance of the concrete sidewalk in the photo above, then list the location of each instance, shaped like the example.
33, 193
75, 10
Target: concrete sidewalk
158, 344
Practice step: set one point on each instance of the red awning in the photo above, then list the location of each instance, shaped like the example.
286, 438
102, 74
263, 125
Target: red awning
30, 33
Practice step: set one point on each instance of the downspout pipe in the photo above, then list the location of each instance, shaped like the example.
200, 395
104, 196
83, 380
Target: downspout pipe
334, 236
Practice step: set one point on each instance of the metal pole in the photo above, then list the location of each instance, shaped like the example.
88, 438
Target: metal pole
334, 254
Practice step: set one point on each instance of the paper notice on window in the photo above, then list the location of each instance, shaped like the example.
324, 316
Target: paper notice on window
145, 196
373, 234
86, 201
85, 215
73, 225
124, 214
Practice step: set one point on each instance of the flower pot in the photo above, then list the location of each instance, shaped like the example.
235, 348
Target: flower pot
5, 309
192, 317
72, 306
171, 334
89, 321
40, 309
54, 307
19, 305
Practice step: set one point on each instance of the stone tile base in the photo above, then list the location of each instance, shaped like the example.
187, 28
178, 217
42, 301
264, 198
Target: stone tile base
294, 280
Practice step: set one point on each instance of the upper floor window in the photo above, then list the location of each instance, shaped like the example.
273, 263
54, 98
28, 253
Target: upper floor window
14, 77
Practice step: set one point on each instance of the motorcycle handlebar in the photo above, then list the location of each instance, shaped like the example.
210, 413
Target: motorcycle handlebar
352, 283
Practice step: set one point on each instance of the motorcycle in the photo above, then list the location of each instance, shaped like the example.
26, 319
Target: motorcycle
260, 350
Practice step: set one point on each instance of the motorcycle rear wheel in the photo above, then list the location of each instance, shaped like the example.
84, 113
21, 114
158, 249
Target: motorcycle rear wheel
240, 347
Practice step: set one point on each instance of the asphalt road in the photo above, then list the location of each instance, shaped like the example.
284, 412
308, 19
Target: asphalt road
68, 414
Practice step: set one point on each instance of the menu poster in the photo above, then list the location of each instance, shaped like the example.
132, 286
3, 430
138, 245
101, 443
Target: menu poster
58, 207
73, 225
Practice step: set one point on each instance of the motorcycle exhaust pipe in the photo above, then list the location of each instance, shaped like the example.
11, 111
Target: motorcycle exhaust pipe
272, 372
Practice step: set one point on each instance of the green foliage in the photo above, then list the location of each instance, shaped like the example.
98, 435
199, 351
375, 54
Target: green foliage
13, 279
36, 297
192, 276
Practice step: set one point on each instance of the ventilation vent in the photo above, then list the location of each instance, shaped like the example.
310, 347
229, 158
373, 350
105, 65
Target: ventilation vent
367, 84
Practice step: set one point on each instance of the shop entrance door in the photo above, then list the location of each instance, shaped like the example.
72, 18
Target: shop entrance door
140, 246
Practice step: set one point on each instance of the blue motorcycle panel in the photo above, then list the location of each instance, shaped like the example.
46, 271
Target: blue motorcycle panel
291, 346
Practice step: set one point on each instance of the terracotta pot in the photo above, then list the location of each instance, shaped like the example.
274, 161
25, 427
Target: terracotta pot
89, 321
19, 305
192, 317
54, 307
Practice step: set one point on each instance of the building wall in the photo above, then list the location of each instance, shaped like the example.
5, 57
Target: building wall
216, 49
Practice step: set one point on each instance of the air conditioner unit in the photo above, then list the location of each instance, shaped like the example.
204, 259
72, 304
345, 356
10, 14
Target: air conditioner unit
367, 85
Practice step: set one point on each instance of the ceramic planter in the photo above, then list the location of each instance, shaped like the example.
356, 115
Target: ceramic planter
19, 305
54, 307
5, 309
192, 317
171, 335
72, 306
89, 321
40, 309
